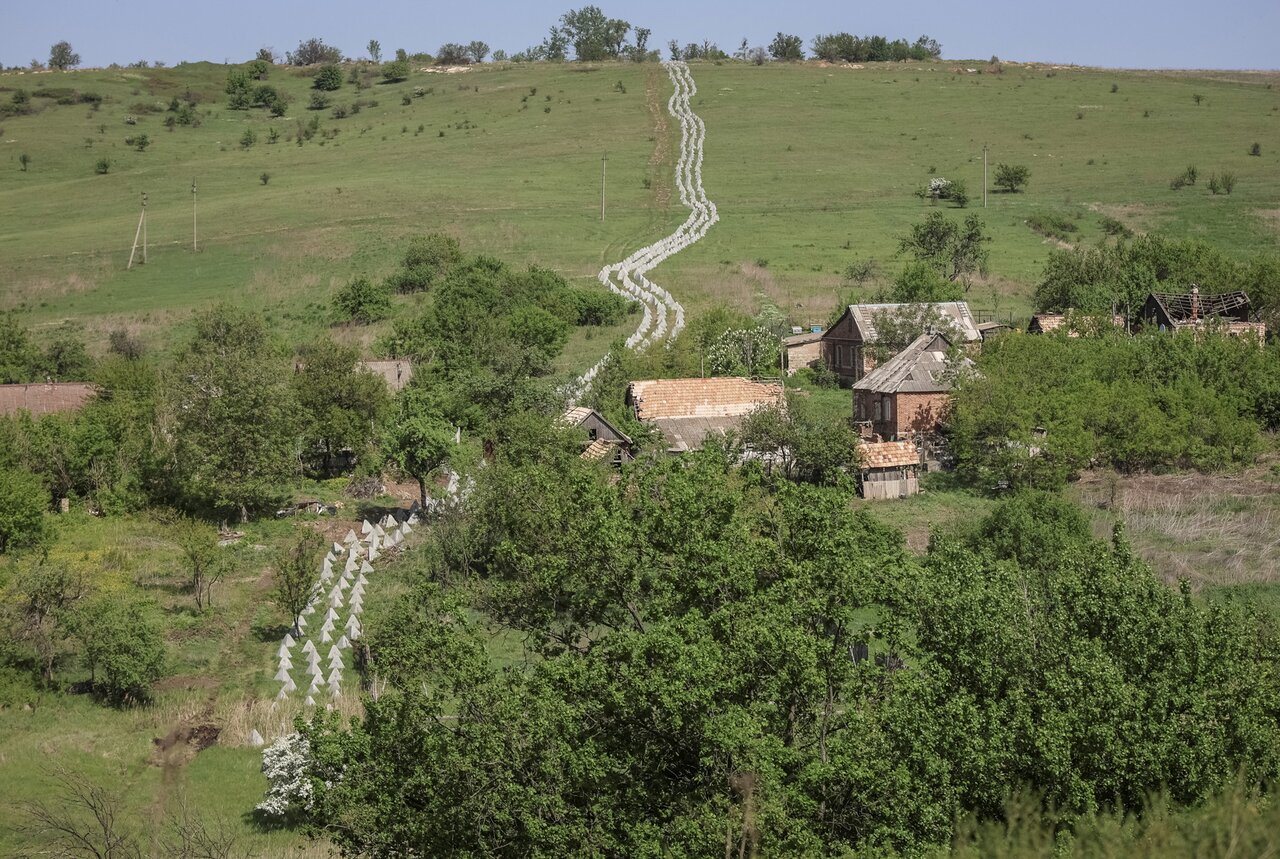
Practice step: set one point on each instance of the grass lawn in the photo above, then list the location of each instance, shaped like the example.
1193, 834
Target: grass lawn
811, 167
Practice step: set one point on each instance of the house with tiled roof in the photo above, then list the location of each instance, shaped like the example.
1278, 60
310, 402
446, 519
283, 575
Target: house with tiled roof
44, 398
908, 394
888, 469
846, 345
689, 411
603, 439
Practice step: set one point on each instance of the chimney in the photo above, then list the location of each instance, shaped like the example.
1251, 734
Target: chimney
1195, 303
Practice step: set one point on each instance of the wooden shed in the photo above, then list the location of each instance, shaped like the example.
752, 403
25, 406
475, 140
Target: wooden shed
889, 469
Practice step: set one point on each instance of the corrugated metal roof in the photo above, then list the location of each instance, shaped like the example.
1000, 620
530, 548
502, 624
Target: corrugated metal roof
955, 312
921, 368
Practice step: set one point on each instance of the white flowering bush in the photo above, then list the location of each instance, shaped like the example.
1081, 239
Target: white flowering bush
744, 352
284, 763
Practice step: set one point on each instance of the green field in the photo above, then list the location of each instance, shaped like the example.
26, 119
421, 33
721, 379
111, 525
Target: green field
811, 166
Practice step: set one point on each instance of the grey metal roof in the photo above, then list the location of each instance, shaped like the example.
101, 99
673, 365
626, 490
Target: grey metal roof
956, 312
921, 368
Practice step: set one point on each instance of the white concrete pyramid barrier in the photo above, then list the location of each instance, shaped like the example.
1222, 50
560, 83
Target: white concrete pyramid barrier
288, 685
286, 661
404, 527
255, 739
282, 694
331, 614
325, 636
342, 585
326, 566
317, 683
300, 622
335, 655
365, 528
308, 647
350, 538
282, 650
356, 607
335, 676
313, 668
337, 549
310, 702
365, 567
373, 553
281, 675
413, 518
344, 643
288, 641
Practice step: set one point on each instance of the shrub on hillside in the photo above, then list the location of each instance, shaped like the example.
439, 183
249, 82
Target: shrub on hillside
312, 52
1011, 177
361, 300
328, 79
397, 70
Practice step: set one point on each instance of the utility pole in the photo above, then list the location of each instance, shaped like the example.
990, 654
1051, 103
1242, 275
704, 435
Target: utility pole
141, 232
604, 166
984, 175
195, 231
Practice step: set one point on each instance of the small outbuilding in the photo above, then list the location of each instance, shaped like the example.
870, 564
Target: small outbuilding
604, 440
803, 350
888, 469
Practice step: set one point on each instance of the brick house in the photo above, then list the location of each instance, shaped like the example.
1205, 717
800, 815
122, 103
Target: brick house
1192, 311
845, 344
908, 395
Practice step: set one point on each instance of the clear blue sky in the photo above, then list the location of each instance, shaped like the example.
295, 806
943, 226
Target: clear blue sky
1144, 34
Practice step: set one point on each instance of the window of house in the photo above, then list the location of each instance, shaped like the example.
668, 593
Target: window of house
888, 408
877, 410
859, 409
591, 433
839, 356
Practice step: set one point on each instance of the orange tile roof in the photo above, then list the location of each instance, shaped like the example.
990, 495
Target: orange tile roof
598, 449
888, 454
722, 396
45, 398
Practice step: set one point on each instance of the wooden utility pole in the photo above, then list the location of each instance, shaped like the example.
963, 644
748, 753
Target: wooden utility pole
195, 231
141, 232
604, 166
984, 175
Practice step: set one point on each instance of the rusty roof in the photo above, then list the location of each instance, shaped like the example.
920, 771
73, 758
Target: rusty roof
44, 398
717, 397
888, 454
395, 373
598, 449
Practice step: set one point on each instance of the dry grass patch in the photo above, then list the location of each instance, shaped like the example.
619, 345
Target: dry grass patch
1213, 530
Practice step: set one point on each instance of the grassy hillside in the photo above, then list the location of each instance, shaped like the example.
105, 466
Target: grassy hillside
811, 166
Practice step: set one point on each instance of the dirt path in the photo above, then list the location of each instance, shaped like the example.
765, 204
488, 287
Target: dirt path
660, 160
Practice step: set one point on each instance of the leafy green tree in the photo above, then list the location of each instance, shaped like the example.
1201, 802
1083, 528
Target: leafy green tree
807, 444
452, 54
294, 574
328, 79
594, 35
428, 259
1011, 177
362, 301
786, 47
259, 69
204, 562
230, 416
375, 50
23, 502
339, 400
396, 70
418, 440
123, 646
40, 603
19, 359
955, 251
61, 57
920, 282
477, 51
313, 52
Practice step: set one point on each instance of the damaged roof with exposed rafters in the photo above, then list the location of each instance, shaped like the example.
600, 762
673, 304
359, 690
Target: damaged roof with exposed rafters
1181, 308
921, 368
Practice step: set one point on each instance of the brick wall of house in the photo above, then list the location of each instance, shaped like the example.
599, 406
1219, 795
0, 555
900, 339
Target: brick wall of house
920, 412
803, 355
